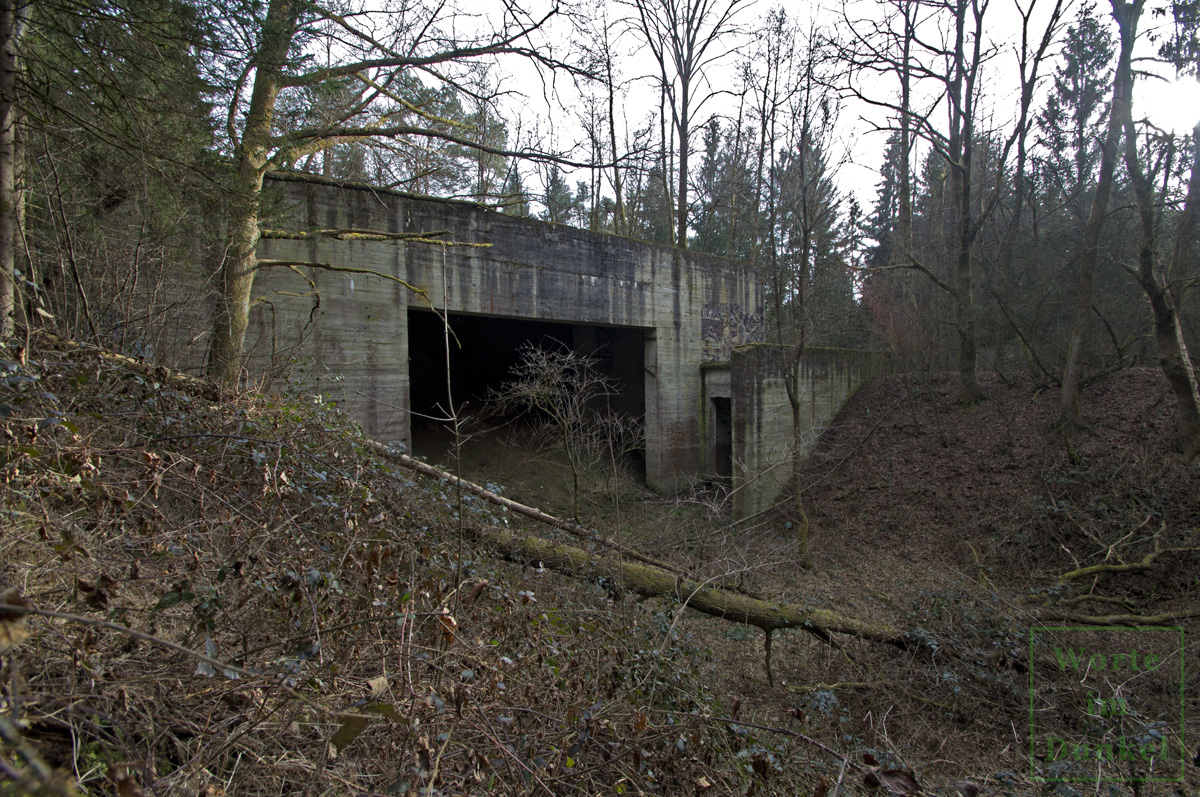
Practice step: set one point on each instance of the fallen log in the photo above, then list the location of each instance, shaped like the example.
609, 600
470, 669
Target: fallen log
1131, 620
655, 582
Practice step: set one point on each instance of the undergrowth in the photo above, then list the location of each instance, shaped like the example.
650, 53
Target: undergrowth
238, 595
346, 644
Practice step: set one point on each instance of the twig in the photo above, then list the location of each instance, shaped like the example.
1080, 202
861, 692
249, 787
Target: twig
521, 509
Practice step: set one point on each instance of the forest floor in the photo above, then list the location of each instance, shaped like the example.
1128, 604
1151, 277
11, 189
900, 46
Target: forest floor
337, 628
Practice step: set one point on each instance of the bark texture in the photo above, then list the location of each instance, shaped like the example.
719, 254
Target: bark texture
9, 30
236, 280
655, 582
1069, 413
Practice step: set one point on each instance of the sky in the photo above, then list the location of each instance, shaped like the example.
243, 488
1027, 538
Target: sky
550, 112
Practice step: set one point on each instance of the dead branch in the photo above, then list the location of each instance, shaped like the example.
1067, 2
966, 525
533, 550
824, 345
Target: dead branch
520, 509
1093, 570
1078, 599
294, 264
1122, 619
354, 235
176, 379
655, 582
839, 685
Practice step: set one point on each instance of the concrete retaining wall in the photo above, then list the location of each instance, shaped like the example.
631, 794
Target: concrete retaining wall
763, 438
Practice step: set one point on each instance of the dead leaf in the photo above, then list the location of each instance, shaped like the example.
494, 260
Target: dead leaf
870, 760
822, 787
449, 626
967, 789
95, 595
352, 725
12, 619
871, 781
378, 685
703, 783
475, 592
424, 757
900, 781
385, 710
125, 783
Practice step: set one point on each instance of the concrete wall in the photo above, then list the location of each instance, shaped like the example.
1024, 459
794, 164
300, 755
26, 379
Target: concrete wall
691, 308
762, 416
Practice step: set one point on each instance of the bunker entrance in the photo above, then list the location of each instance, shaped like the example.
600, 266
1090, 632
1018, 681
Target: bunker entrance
722, 438
483, 351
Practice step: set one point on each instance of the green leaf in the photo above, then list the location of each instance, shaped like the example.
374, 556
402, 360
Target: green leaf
170, 599
386, 710
352, 726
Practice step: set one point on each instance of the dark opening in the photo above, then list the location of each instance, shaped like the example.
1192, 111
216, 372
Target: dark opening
484, 349
722, 437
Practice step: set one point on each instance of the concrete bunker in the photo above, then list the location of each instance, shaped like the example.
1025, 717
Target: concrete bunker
659, 313
676, 329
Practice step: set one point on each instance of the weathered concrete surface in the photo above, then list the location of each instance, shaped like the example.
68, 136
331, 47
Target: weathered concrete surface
762, 417
691, 308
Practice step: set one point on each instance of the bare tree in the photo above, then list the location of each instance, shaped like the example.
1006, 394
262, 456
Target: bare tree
684, 37
564, 388
797, 107
1165, 283
953, 64
270, 64
1070, 416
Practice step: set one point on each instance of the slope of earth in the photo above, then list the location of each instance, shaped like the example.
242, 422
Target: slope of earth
993, 489
205, 595
956, 525
240, 595
968, 527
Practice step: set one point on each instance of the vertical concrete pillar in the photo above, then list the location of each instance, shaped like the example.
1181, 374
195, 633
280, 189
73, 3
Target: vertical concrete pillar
655, 475
400, 397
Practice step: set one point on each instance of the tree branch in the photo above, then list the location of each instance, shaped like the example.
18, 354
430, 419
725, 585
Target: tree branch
352, 234
344, 270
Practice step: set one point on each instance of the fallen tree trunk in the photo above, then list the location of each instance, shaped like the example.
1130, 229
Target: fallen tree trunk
655, 582
1130, 620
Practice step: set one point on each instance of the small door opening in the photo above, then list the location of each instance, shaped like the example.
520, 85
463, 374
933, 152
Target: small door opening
722, 438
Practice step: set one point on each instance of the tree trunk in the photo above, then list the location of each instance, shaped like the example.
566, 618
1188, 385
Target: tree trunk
969, 391
1070, 416
620, 226
962, 149
903, 237
9, 31
681, 239
655, 582
1165, 297
1173, 353
236, 280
